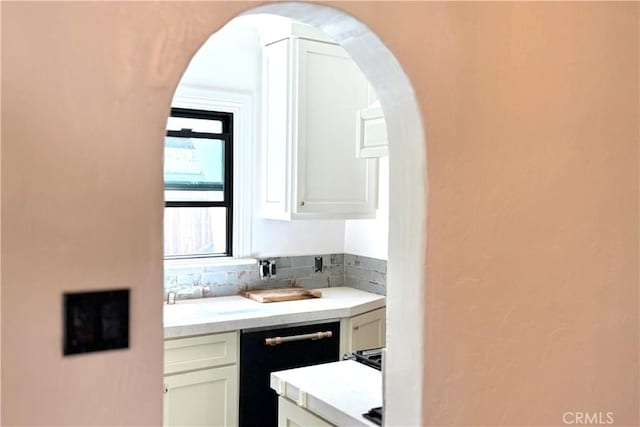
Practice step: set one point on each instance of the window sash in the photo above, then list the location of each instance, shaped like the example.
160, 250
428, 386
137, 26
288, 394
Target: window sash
227, 186
206, 186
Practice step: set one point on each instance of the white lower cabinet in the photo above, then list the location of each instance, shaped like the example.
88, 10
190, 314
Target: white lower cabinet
201, 376
363, 331
291, 415
201, 381
206, 397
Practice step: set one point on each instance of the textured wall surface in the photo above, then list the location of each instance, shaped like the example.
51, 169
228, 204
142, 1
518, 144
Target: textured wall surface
532, 124
531, 113
86, 89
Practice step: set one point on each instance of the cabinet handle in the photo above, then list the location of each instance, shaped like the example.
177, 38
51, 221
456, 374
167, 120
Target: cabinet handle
315, 336
165, 390
301, 202
355, 328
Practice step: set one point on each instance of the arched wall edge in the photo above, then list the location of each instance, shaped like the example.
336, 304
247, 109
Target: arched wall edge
406, 272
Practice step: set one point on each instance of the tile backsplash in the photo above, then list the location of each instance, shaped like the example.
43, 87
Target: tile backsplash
364, 273
367, 274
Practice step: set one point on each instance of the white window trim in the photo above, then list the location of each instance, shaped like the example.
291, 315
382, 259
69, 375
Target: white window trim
241, 104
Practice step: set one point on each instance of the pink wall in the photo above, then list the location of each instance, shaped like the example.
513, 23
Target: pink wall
532, 126
531, 114
86, 92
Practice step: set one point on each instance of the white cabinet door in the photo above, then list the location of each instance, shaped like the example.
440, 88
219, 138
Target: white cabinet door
330, 179
276, 139
206, 397
371, 133
364, 331
311, 93
291, 415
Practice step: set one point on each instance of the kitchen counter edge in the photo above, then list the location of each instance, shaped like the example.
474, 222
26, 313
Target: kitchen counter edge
334, 309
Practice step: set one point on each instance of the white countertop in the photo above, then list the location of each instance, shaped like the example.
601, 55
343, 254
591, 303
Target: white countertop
339, 392
222, 314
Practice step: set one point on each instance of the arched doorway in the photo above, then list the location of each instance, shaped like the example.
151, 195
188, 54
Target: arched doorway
407, 210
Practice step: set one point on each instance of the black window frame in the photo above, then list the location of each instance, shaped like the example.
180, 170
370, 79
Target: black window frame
227, 136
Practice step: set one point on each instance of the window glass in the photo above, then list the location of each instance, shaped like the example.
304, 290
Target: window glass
193, 164
195, 231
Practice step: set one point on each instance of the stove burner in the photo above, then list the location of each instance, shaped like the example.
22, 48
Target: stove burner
374, 415
372, 358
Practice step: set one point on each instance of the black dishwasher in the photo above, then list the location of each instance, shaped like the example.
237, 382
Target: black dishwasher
266, 350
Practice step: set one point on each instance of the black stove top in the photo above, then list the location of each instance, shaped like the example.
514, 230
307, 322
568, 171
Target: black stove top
372, 358
374, 415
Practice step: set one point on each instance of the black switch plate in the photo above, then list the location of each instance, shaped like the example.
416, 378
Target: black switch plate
95, 321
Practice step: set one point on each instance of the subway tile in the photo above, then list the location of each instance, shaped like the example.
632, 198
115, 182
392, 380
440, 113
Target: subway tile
283, 273
350, 281
350, 271
337, 281
302, 261
247, 278
380, 278
186, 292
284, 262
274, 284
349, 259
191, 278
207, 290
232, 277
357, 273
336, 259
372, 264
378, 265
301, 272
372, 287
313, 282
214, 278
170, 280
226, 289
336, 270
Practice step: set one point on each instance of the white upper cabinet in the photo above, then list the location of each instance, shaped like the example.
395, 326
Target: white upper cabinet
312, 90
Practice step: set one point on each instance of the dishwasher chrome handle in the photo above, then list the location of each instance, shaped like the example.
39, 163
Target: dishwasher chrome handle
315, 336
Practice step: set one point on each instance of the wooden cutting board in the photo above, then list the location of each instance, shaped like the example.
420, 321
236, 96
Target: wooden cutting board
281, 294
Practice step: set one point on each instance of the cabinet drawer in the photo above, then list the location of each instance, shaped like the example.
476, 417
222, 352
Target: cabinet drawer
186, 354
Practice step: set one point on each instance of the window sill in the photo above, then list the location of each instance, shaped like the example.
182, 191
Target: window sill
207, 262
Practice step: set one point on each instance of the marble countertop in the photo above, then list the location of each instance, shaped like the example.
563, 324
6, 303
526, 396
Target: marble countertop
223, 314
339, 392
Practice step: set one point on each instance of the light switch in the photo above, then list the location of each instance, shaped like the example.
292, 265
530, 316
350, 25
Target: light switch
95, 321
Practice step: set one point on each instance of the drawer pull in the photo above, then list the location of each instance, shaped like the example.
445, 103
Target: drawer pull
315, 336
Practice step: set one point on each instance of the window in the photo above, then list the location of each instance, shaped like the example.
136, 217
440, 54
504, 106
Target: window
198, 184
